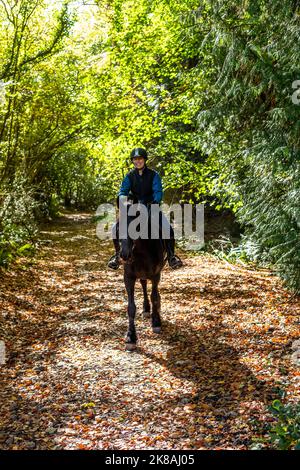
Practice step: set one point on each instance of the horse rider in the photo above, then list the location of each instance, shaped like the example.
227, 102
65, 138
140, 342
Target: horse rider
144, 185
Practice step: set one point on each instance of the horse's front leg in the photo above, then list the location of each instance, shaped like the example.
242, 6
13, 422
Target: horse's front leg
155, 299
131, 337
146, 303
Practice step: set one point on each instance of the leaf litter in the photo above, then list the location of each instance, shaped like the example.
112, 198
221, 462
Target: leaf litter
205, 383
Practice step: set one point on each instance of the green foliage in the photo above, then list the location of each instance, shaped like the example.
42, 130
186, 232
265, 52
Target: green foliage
17, 212
205, 85
77, 178
285, 433
251, 123
39, 82
17, 223
10, 250
224, 248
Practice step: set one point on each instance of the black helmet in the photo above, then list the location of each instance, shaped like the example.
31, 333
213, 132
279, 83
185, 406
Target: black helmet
138, 152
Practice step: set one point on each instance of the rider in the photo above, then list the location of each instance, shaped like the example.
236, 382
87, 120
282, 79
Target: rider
145, 186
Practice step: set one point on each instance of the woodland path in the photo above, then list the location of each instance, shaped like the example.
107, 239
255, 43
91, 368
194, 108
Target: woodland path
205, 383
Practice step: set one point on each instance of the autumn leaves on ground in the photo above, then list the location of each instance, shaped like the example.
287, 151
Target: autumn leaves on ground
205, 383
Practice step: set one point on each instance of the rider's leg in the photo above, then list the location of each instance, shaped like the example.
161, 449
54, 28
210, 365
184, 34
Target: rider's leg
114, 261
116, 241
167, 233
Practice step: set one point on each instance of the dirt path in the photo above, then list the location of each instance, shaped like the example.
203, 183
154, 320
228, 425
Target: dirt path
204, 383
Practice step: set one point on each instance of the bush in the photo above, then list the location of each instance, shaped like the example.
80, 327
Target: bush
17, 222
224, 249
285, 433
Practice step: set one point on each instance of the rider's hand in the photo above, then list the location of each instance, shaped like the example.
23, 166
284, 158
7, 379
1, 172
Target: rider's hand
124, 201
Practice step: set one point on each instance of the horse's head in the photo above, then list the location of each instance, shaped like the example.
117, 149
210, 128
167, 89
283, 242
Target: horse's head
126, 242
126, 250
128, 236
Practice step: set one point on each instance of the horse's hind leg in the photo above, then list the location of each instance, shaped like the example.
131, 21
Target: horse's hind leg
146, 303
131, 337
155, 299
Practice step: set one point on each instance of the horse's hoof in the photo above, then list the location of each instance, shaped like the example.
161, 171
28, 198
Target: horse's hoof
156, 329
146, 314
130, 346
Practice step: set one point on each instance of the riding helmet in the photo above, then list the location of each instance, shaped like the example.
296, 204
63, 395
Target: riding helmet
139, 152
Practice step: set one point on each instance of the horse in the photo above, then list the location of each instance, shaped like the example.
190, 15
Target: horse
143, 259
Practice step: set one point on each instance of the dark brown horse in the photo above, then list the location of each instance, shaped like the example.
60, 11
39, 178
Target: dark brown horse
143, 259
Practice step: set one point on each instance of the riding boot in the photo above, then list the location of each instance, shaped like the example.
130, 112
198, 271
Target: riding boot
114, 261
173, 260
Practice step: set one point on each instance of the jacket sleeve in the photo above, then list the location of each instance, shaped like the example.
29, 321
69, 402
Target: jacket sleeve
125, 187
157, 189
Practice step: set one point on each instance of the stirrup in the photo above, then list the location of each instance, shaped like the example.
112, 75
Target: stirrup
175, 262
114, 262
